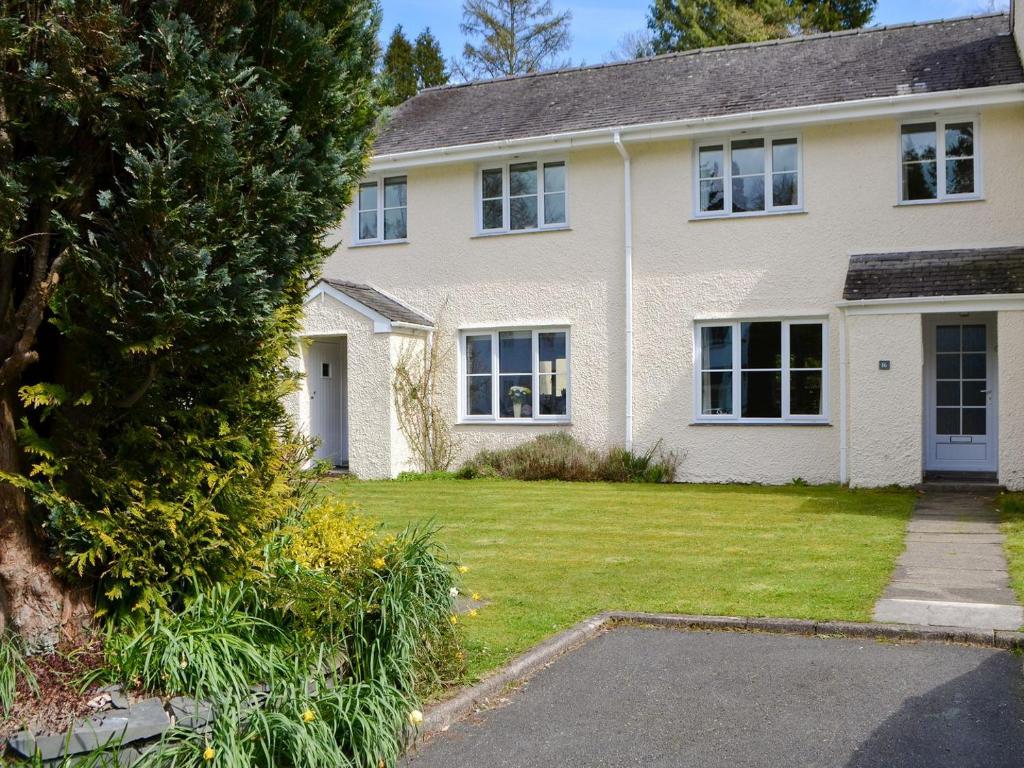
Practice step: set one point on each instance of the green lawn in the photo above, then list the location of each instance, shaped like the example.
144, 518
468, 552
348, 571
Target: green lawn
549, 554
1012, 507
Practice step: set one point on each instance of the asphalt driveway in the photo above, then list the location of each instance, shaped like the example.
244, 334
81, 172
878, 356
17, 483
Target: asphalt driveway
662, 697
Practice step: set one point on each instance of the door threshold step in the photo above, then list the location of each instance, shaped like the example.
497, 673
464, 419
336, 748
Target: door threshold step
949, 614
957, 486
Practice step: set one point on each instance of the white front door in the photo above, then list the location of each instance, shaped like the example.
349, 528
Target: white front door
324, 383
960, 393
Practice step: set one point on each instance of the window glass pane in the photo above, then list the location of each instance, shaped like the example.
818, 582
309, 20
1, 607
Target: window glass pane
554, 177
716, 348
974, 338
974, 392
974, 366
948, 393
716, 393
805, 393
711, 161
919, 142
747, 157
553, 378
974, 421
478, 396
712, 195
805, 345
748, 194
492, 214
947, 338
395, 192
368, 197
761, 395
959, 139
522, 212
554, 208
784, 189
522, 179
761, 345
919, 181
947, 366
368, 225
947, 421
959, 177
478, 354
491, 182
515, 352
515, 396
784, 155
394, 224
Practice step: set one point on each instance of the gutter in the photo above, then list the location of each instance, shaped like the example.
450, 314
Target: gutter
627, 183
859, 109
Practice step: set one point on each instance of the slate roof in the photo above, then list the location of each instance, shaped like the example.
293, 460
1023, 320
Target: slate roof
380, 302
935, 273
876, 62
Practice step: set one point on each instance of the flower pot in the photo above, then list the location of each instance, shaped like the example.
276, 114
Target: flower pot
517, 410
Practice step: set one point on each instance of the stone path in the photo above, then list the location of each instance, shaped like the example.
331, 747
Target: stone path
953, 572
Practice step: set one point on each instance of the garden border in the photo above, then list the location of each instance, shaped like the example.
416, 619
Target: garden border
443, 715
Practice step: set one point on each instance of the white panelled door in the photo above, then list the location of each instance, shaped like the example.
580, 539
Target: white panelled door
324, 383
960, 394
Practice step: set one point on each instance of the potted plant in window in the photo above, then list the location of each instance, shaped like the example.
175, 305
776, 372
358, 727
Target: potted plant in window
519, 395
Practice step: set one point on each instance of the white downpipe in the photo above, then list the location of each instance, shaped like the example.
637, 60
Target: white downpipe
843, 363
627, 181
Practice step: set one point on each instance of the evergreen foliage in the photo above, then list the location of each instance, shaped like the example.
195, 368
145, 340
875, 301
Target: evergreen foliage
430, 67
400, 68
679, 25
514, 37
177, 162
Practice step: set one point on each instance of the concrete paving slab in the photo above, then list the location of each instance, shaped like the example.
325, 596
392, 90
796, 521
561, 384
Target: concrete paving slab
950, 578
918, 591
940, 613
927, 537
662, 698
947, 526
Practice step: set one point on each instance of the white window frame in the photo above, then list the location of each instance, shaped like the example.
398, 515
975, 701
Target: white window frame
769, 173
737, 390
940, 158
379, 239
504, 229
494, 417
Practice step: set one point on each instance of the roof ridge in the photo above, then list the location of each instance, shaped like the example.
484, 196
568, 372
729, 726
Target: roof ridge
714, 49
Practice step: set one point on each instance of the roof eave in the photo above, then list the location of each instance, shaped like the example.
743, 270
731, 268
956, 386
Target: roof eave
842, 111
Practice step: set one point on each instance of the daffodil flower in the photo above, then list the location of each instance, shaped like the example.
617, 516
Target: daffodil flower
308, 716
209, 753
472, 612
415, 718
476, 596
463, 569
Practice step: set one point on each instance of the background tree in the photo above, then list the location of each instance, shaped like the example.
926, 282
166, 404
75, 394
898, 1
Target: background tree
430, 67
399, 69
513, 37
679, 25
167, 172
632, 45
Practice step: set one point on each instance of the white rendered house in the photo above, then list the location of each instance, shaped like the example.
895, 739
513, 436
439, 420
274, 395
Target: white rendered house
801, 258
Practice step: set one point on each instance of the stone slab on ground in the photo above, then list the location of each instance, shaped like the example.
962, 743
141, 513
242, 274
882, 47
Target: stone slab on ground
666, 698
953, 571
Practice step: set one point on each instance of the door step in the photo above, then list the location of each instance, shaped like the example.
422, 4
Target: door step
970, 482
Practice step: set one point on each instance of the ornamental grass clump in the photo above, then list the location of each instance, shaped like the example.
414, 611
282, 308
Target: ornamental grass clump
13, 670
560, 456
318, 658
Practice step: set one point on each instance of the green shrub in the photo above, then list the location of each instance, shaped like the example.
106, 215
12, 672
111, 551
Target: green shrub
560, 456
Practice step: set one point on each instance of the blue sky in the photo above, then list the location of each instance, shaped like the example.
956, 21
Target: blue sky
598, 24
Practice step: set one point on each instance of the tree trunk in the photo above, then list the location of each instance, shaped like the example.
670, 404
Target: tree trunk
33, 601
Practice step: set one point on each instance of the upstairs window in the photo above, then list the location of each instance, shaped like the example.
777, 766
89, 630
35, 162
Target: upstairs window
381, 210
747, 176
519, 374
523, 196
939, 161
762, 371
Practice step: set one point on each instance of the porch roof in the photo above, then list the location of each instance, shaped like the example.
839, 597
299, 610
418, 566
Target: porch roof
381, 303
961, 272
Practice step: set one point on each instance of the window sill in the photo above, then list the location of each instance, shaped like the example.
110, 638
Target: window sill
761, 423
513, 423
940, 201
507, 232
750, 215
374, 243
